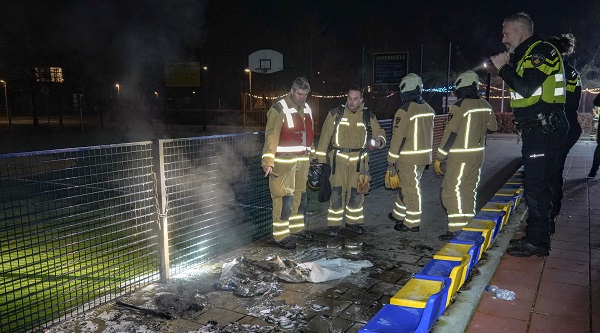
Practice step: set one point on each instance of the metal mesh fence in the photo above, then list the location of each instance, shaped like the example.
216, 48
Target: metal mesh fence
76, 228
218, 198
80, 226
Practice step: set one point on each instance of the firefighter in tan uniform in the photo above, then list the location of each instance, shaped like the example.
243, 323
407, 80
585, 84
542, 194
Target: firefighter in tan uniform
347, 134
462, 148
286, 159
410, 152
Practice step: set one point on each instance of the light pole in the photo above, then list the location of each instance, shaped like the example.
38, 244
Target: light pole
118, 90
6, 105
202, 92
249, 86
249, 91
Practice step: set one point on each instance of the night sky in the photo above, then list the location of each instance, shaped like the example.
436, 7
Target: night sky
104, 41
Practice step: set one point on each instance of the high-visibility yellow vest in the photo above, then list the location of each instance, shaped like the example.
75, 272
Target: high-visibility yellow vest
552, 90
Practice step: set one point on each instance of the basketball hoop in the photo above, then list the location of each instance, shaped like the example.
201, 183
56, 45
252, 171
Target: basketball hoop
265, 61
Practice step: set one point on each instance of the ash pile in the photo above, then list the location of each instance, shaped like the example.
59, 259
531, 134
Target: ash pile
256, 285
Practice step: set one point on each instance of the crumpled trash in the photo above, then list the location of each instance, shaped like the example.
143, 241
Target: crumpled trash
245, 287
243, 271
331, 269
177, 306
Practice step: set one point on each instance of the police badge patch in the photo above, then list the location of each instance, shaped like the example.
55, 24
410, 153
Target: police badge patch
537, 60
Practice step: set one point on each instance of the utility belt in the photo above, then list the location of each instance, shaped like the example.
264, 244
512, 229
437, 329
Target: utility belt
549, 122
346, 150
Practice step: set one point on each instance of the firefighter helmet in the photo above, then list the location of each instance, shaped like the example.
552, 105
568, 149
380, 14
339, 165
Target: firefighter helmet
411, 82
314, 177
466, 79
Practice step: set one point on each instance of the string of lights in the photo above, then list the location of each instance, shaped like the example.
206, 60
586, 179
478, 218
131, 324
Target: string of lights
432, 90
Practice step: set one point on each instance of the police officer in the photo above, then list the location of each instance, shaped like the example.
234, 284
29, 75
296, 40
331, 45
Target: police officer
596, 161
348, 132
565, 44
410, 152
537, 85
462, 146
286, 159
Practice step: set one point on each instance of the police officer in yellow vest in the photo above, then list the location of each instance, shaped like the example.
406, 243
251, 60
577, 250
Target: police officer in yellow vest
536, 79
462, 146
286, 159
344, 144
410, 152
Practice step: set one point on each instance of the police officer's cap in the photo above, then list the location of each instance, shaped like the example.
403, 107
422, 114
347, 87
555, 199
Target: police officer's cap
411, 82
466, 79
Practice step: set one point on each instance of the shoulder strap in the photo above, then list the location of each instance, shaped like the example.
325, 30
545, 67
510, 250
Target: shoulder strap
367, 122
338, 118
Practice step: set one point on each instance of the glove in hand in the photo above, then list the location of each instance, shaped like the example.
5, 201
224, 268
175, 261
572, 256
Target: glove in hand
392, 180
364, 182
437, 166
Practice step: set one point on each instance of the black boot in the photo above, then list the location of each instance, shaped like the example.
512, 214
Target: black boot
527, 249
287, 243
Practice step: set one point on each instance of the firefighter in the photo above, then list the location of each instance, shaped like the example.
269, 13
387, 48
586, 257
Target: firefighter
348, 133
565, 44
410, 152
462, 148
286, 160
537, 86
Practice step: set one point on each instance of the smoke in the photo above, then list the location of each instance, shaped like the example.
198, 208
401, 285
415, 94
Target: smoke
127, 42
128, 38
213, 194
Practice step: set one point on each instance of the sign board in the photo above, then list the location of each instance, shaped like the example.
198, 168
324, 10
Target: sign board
389, 68
265, 61
182, 74
450, 102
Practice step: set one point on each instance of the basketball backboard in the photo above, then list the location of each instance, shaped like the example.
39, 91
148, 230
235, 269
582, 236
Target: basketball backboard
265, 61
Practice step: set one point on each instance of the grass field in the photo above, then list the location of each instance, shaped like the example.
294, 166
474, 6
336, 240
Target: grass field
54, 265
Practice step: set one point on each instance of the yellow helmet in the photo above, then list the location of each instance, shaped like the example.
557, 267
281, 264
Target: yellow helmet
467, 79
410, 82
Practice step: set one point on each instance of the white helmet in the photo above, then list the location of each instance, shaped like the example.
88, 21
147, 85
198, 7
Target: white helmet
467, 79
410, 82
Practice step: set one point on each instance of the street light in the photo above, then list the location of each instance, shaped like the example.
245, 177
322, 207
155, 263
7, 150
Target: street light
202, 92
118, 90
249, 86
6, 105
249, 94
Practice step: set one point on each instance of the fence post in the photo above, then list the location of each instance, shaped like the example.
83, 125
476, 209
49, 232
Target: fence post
161, 192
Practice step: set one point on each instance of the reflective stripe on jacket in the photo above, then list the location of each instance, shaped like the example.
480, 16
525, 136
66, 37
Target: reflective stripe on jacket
552, 90
296, 136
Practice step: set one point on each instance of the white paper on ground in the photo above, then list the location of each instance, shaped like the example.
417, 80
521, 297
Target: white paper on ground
331, 269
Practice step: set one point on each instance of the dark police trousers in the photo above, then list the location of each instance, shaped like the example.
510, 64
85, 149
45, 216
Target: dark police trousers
540, 152
573, 134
